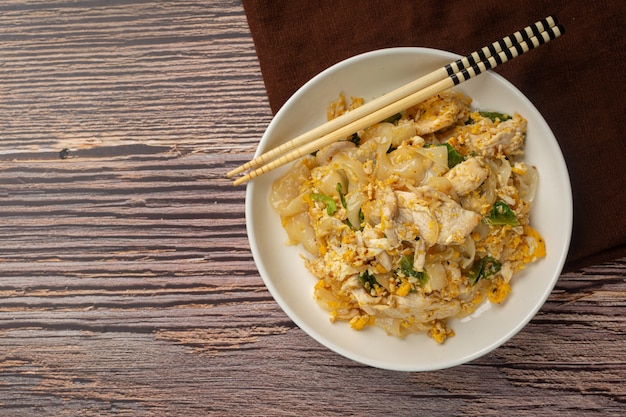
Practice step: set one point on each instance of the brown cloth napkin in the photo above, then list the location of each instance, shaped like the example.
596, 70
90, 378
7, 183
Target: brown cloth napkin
576, 81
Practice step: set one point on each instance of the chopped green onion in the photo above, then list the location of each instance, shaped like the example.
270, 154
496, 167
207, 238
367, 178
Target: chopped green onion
331, 206
342, 196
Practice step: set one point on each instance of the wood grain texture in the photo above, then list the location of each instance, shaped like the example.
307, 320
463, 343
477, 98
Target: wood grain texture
127, 286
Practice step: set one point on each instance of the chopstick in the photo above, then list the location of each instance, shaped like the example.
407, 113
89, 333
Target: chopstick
406, 96
403, 91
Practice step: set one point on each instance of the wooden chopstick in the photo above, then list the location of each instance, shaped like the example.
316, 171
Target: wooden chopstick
401, 92
398, 100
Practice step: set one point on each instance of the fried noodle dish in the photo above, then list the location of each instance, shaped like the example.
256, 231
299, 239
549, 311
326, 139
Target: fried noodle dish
417, 219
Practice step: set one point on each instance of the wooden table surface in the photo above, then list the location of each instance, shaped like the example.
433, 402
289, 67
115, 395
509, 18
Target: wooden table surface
127, 286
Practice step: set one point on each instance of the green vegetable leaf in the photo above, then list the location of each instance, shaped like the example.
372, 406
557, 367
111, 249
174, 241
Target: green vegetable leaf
494, 115
368, 281
355, 139
331, 206
406, 266
483, 269
393, 119
501, 214
454, 157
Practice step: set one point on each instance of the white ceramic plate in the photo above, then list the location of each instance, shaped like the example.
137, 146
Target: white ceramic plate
282, 269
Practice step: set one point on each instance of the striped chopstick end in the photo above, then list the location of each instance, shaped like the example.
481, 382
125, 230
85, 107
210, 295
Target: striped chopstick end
502, 45
507, 54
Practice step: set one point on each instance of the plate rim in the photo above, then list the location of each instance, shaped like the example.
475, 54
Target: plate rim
280, 300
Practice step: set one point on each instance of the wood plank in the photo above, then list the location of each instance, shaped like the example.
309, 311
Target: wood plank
127, 286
